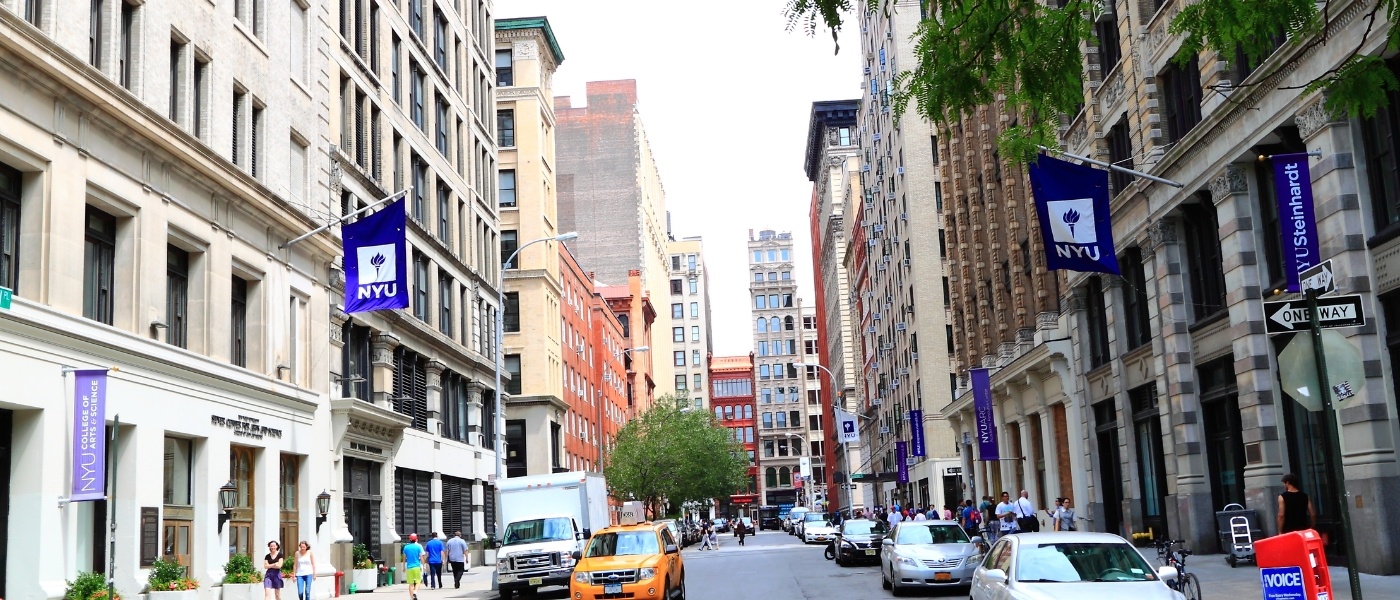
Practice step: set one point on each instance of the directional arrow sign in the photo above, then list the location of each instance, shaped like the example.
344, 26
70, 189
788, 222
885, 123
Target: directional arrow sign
1335, 311
1318, 277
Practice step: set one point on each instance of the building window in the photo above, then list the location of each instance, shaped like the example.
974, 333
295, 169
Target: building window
1110, 50
440, 39
179, 458
394, 84
505, 74
420, 286
694, 286
357, 367
1180, 92
126, 71
200, 102
675, 287
694, 310
678, 334
410, 387
678, 359
1097, 318
99, 264
95, 13
677, 311
445, 303
9, 227
177, 296
416, 97
507, 187
239, 107
250, 13
254, 142
297, 39
413, 504
242, 472
177, 55
512, 363
415, 21
505, 128
442, 121
420, 188
511, 313
1203, 258
694, 333
289, 496
1381, 134
1134, 287
34, 12
509, 245
238, 322
444, 212
760, 302
699, 382
1120, 152
680, 379
1152, 476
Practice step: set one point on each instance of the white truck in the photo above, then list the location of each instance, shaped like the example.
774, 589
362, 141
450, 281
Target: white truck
546, 518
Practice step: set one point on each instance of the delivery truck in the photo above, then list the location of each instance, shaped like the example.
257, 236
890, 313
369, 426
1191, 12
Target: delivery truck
545, 518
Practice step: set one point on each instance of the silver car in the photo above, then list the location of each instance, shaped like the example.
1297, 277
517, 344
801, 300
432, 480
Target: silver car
928, 555
1069, 565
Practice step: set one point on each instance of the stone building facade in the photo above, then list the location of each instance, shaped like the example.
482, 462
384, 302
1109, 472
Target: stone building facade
691, 335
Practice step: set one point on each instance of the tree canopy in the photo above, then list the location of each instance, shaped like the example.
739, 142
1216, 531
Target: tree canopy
1029, 52
671, 455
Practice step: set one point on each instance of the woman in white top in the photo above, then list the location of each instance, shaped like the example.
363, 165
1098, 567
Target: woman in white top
306, 571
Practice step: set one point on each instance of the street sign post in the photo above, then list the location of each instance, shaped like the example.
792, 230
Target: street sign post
1291, 316
1318, 277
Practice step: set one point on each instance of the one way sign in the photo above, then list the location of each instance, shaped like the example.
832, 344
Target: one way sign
1335, 311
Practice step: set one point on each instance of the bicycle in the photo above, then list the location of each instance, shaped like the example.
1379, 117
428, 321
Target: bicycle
1170, 554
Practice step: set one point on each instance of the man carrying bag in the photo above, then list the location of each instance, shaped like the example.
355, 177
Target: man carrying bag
1025, 514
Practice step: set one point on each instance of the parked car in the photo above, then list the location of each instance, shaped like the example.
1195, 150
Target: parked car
747, 524
1068, 565
793, 516
817, 530
928, 555
858, 540
633, 561
811, 516
721, 525
674, 526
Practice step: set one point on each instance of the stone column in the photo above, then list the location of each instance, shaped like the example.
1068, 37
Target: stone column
474, 392
1050, 453
382, 347
337, 331
435, 369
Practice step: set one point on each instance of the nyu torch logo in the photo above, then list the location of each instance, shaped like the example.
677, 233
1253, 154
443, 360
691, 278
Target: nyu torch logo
378, 272
1073, 229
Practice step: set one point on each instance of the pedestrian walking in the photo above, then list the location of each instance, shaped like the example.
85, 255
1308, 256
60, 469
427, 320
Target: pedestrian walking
741, 531
947, 513
1006, 514
1064, 516
272, 579
971, 519
413, 554
706, 534
457, 557
434, 548
714, 537
305, 570
1295, 509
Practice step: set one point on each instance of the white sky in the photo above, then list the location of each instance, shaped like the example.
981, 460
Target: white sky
725, 93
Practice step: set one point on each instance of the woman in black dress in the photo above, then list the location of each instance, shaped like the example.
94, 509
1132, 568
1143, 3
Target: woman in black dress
272, 581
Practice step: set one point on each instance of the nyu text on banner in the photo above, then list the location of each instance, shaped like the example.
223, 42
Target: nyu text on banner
1296, 217
376, 265
916, 432
89, 436
1072, 203
900, 453
850, 434
986, 424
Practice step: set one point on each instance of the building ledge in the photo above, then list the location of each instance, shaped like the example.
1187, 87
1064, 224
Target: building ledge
352, 416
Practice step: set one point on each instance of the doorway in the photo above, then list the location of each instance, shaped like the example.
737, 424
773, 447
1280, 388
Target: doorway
1110, 465
1224, 450
362, 502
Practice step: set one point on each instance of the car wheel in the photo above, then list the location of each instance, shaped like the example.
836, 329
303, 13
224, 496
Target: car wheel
840, 559
884, 581
680, 593
506, 594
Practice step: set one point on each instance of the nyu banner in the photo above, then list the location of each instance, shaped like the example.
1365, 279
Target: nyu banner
376, 265
1072, 201
916, 432
89, 436
1293, 190
982, 405
849, 433
900, 452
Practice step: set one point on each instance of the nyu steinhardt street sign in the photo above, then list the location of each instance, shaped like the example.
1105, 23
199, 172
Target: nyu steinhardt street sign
1335, 311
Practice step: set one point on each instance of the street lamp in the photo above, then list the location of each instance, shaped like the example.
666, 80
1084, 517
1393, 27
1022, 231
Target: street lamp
500, 345
227, 494
323, 506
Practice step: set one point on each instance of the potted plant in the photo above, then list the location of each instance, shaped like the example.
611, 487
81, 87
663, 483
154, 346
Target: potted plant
167, 581
88, 586
365, 577
242, 581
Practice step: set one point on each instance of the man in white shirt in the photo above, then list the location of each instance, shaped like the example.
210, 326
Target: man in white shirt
1006, 514
895, 517
1026, 520
920, 516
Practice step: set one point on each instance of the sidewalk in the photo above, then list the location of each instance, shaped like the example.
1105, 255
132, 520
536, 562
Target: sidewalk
476, 584
1218, 580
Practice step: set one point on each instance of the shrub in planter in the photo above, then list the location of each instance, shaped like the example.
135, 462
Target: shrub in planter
360, 555
169, 576
240, 569
88, 586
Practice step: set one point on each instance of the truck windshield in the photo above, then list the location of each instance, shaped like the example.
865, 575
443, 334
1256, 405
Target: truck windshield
624, 543
538, 530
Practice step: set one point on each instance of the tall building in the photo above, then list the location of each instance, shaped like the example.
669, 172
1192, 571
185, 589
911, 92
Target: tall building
732, 400
690, 320
610, 192
832, 164
906, 326
786, 392
155, 156
415, 411
633, 308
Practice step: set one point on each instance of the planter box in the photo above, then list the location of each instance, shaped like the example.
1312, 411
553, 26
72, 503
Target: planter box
181, 595
240, 591
364, 580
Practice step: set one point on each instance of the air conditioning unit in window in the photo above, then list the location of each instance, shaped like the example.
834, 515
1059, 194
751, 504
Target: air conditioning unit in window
903, 371
875, 137
879, 227
884, 430
889, 34
887, 346
896, 239
899, 170
900, 326
907, 263
914, 356
877, 401
865, 168
904, 216
872, 329
867, 70
895, 383
882, 267
873, 243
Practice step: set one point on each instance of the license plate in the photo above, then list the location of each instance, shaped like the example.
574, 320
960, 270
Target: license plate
942, 576
870, 553
612, 588
536, 581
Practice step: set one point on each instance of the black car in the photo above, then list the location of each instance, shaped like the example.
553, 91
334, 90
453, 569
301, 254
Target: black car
858, 540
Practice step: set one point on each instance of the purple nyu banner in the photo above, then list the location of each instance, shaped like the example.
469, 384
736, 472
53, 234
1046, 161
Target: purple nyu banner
916, 432
376, 265
982, 405
89, 436
900, 453
1296, 219
1072, 203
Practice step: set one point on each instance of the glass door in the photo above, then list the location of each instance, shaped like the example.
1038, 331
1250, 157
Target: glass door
1110, 466
1224, 450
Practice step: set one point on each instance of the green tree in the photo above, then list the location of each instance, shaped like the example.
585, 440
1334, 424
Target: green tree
1028, 51
672, 455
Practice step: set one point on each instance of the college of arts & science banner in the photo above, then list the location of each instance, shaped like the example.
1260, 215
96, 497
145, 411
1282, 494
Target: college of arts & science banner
89, 468
916, 432
900, 454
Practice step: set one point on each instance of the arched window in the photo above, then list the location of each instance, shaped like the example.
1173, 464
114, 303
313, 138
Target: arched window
784, 476
748, 411
787, 323
770, 477
777, 325
762, 325
729, 412
719, 412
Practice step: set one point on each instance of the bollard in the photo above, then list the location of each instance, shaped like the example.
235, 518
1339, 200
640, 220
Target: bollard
339, 580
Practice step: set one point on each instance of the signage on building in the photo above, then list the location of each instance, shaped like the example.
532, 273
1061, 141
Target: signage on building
1333, 311
1297, 223
902, 464
916, 432
1072, 203
986, 424
6, 296
245, 427
952, 471
376, 263
89, 436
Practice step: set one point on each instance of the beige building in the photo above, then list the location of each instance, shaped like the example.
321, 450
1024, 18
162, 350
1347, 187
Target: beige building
154, 158
691, 341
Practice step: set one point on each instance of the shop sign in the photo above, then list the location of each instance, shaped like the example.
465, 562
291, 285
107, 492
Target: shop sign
246, 427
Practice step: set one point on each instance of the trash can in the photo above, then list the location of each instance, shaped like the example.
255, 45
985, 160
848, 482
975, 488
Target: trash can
1282, 555
1237, 528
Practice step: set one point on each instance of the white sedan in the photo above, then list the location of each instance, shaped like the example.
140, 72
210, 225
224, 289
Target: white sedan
818, 531
1068, 566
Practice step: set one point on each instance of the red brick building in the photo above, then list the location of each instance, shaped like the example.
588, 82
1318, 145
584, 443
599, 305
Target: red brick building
595, 390
634, 311
733, 401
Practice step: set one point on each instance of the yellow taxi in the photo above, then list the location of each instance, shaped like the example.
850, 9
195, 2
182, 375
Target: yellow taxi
641, 561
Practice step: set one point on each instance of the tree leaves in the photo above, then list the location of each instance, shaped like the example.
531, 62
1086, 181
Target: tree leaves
671, 455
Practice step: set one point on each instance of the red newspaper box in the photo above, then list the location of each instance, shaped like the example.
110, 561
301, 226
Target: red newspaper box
1298, 549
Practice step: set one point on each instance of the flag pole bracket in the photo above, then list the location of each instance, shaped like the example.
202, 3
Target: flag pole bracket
339, 220
1113, 167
